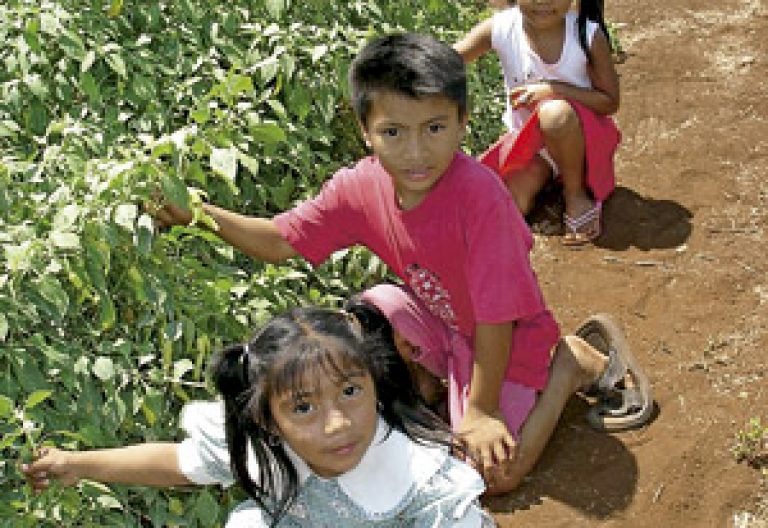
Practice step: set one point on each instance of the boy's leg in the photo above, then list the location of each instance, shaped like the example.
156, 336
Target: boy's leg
564, 139
526, 183
575, 364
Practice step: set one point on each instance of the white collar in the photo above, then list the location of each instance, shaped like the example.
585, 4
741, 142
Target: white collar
392, 466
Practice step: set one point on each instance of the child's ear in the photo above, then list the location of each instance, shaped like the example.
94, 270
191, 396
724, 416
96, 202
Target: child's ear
463, 122
364, 133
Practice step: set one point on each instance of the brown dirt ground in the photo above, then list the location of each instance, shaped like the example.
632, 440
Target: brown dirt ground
682, 266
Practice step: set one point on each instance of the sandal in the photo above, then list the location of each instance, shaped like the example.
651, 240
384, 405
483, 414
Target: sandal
619, 407
575, 232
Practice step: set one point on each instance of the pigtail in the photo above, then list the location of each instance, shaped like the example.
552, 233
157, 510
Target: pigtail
591, 10
238, 379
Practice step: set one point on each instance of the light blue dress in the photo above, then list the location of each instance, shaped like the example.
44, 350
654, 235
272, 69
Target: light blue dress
398, 483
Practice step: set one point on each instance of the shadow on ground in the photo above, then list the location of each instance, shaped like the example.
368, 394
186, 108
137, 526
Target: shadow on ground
592, 472
629, 220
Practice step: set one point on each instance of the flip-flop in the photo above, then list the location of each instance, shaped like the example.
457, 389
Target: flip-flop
618, 407
574, 227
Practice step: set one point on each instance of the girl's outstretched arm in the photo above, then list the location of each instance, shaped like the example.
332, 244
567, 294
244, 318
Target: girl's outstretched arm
477, 42
151, 464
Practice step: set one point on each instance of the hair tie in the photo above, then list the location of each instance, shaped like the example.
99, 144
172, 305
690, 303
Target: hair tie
354, 323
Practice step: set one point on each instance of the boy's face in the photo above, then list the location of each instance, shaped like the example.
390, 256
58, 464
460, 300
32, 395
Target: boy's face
414, 139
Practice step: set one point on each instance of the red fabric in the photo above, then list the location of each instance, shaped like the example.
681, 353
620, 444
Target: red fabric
601, 137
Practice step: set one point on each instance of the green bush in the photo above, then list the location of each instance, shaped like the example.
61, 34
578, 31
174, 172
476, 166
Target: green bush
106, 326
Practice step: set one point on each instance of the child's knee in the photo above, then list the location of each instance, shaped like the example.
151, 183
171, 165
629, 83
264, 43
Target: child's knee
557, 118
523, 198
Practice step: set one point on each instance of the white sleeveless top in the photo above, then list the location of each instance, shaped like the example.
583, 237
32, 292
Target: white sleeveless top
521, 64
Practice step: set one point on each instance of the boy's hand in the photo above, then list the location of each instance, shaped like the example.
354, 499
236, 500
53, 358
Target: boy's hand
486, 440
51, 463
168, 215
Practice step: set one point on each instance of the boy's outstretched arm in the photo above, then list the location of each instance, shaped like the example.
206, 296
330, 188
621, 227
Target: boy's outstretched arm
477, 42
483, 430
152, 464
258, 238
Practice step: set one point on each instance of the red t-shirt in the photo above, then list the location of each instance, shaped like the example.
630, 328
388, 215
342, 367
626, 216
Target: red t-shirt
463, 250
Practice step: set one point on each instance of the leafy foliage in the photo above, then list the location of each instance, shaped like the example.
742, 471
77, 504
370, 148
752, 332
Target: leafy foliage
106, 326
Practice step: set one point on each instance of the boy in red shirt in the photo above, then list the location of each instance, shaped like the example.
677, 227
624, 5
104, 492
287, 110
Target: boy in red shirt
448, 228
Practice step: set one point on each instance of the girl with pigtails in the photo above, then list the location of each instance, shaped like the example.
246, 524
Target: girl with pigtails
319, 424
561, 88
337, 431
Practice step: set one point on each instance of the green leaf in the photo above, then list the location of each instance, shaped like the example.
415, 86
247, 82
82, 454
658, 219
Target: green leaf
206, 509
37, 118
104, 368
66, 217
278, 108
115, 6
109, 502
72, 45
9, 128
65, 240
125, 215
19, 257
224, 162
144, 234
88, 61
275, 7
50, 289
239, 84
36, 86
269, 133
96, 263
143, 88
117, 64
181, 367
107, 316
6, 407
319, 52
49, 23
4, 328
89, 87
174, 190
36, 398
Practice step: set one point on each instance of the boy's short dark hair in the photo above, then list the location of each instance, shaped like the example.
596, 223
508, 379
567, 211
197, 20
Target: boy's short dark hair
406, 63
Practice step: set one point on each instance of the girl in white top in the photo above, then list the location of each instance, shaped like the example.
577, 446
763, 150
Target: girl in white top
319, 424
552, 57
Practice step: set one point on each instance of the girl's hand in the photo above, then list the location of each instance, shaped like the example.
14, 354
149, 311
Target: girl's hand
530, 95
486, 440
51, 463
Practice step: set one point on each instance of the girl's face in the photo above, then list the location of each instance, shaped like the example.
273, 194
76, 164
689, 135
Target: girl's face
331, 421
544, 14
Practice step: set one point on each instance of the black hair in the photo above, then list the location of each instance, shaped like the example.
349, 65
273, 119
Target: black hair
591, 10
276, 360
410, 64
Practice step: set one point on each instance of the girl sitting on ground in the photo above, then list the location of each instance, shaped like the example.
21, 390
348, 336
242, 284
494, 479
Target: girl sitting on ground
557, 68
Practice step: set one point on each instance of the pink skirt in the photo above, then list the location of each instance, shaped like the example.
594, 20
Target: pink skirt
513, 152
